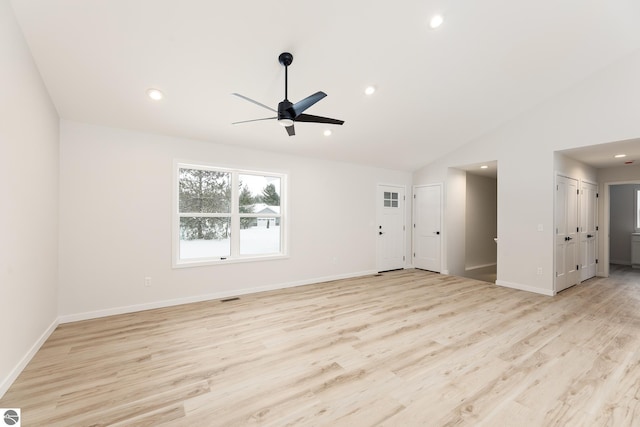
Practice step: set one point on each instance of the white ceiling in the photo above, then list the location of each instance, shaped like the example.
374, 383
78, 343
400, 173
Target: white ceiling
603, 155
436, 89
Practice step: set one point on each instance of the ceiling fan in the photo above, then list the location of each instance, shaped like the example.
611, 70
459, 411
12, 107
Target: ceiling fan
288, 113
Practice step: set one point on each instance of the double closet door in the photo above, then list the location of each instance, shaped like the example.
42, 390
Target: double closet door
575, 231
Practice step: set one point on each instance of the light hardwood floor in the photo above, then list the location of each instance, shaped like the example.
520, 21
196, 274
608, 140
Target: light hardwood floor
408, 348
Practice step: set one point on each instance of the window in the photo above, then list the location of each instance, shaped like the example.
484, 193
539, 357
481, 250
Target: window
390, 199
227, 215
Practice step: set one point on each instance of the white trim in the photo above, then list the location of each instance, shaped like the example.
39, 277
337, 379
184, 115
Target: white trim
527, 288
17, 370
404, 222
476, 267
606, 186
620, 262
234, 216
636, 205
199, 298
442, 224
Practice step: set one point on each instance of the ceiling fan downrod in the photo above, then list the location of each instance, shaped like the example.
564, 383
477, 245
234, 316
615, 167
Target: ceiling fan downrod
286, 59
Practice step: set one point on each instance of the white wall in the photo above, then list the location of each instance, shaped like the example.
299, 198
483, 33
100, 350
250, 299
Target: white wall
566, 166
481, 221
602, 108
622, 220
115, 225
29, 213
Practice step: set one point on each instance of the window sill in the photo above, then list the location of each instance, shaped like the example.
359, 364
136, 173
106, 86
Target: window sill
213, 262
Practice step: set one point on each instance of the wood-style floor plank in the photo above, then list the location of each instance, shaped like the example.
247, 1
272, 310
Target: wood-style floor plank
404, 348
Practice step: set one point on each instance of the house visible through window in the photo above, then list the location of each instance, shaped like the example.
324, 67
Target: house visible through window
226, 215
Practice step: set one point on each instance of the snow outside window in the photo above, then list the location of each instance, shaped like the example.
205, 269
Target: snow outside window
227, 215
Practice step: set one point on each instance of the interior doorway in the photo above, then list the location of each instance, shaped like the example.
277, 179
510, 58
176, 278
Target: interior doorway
479, 236
619, 224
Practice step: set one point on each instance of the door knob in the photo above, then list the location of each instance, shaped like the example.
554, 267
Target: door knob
380, 233
437, 232
589, 236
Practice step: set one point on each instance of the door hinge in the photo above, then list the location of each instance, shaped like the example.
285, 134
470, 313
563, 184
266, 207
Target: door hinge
577, 267
596, 228
403, 257
403, 228
596, 261
414, 196
578, 192
414, 254
597, 195
577, 229
414, 226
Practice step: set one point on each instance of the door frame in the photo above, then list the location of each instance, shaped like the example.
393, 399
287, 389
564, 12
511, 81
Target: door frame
596, 220
404, 223
440, 185
606, 255
555, 226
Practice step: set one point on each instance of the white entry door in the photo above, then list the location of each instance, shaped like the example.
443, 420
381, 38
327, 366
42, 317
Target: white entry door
588, 230
390, 229
566, 240
427, 227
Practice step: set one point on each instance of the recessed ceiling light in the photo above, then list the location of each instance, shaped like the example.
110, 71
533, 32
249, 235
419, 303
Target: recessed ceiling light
155, 94
327, 132
619, 156
436, 21
484, 167
369, 90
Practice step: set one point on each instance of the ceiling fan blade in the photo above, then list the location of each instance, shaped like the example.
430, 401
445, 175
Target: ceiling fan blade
300, 106
254, 120
317, 119
290, 130
254, 102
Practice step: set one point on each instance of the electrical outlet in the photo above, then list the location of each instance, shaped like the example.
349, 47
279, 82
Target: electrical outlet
147, 281
539, 271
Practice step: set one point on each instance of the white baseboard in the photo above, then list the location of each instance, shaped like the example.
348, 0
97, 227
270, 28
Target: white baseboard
199, 298
13, 375
620, 261
527, 288
476, 267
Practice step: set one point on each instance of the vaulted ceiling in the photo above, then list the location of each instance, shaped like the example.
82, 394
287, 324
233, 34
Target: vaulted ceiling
436, 89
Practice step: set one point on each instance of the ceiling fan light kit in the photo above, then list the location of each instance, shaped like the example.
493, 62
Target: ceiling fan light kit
288, 112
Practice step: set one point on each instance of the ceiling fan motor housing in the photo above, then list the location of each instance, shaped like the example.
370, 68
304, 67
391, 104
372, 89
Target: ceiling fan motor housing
285, 111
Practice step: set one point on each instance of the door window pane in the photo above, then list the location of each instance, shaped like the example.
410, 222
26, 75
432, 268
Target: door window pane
390, 199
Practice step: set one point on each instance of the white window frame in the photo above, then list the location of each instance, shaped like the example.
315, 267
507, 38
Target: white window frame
235, 216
